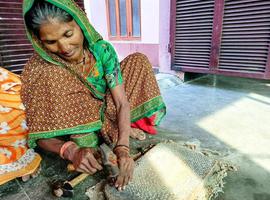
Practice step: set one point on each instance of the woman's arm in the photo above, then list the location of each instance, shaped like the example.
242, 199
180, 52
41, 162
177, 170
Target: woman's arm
53, 145
82, 158
123, 114
125, 163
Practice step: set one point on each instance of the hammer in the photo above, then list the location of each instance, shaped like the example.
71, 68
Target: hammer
62, 188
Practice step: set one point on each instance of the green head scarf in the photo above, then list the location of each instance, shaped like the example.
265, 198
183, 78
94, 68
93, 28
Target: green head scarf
90, 34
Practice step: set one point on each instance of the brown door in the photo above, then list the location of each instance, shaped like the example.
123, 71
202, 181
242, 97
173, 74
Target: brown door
221, 37
15, 49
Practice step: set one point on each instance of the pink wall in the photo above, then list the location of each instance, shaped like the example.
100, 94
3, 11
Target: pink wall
151, 50
164, 37
149, 43
155, 27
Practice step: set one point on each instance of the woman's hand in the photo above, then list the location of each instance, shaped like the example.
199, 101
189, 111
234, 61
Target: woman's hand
126, 167
83, 159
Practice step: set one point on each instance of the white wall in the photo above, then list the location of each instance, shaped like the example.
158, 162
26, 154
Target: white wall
150, 21
96, 11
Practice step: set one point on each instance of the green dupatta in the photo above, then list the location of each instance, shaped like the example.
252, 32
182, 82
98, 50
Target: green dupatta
91, 35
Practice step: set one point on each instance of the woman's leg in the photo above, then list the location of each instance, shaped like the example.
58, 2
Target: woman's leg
143, 95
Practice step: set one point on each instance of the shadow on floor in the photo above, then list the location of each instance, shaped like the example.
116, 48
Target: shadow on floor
230, 115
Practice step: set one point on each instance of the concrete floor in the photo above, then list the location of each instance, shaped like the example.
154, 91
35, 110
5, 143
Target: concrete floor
230, 115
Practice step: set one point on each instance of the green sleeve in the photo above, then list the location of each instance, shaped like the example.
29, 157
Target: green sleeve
111, 65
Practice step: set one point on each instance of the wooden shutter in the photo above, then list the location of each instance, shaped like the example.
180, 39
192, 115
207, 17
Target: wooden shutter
193, 32
245, 36
15, 49
239, 31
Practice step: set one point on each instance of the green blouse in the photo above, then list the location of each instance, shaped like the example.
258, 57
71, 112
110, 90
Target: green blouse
106, 73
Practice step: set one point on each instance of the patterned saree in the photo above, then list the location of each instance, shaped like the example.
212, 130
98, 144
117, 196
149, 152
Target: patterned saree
16, 160
63, 99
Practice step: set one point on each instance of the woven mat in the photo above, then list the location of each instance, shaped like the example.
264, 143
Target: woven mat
169, 171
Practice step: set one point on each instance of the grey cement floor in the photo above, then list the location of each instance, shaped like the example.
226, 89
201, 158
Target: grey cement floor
229, 115
232, 116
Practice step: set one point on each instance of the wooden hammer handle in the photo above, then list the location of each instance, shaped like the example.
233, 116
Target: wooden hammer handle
78, 179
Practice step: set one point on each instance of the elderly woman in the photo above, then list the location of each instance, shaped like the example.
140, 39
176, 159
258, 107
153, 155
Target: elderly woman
74, 86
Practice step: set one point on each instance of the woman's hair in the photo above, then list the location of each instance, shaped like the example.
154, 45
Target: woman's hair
43, 12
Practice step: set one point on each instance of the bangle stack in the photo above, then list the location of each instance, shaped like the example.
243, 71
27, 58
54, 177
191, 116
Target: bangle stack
121, 147
64, 148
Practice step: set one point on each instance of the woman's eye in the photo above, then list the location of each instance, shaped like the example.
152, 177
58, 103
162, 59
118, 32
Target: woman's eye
69, 34
50, 41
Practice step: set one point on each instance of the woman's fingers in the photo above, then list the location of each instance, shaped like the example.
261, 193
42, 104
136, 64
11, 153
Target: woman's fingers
119, 182
131, 174
83, 168
126, 166
86, 162
125, 181
120, 178
129, 169
126, 174
91, 169
93, 162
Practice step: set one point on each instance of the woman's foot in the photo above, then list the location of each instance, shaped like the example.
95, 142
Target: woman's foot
33, 175
137, 134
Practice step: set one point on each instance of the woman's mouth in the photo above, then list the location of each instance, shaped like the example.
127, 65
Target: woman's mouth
68, 54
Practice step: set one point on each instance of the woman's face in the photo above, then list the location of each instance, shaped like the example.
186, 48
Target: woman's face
63, 38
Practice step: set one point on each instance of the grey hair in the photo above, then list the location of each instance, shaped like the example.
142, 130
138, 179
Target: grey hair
42, 12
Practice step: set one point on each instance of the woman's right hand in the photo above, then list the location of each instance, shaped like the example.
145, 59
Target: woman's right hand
83, 159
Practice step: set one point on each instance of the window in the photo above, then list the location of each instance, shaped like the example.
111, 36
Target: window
124, 19
221, 37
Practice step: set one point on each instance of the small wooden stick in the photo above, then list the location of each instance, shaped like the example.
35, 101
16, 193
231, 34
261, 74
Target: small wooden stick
78, 179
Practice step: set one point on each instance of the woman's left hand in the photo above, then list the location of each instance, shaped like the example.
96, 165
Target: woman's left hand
126, 167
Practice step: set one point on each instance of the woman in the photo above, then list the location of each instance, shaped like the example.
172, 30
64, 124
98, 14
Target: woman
74, 86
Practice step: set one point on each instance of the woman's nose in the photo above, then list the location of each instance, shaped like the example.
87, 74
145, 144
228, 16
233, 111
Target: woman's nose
63, 47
